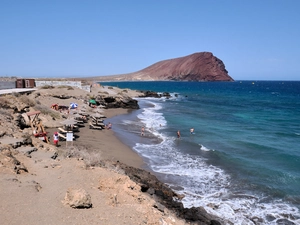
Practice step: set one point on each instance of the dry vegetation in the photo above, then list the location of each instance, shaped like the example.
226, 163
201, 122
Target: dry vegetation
47, 111
4, 102
5, 112
66, 86
90, 159
47, 87
26, 100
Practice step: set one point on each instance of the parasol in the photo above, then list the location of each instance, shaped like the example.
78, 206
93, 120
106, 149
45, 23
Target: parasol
73, 105
93, 101
69, 122
97, 110
98, 115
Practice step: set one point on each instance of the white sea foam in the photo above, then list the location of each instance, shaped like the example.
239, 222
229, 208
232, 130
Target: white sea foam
152, 119
128, 122
206, 185
203, 148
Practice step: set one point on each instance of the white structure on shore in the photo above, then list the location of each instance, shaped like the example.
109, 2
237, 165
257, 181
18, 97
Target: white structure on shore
78, 84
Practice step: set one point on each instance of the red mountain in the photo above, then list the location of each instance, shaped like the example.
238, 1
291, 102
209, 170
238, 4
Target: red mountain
202, 66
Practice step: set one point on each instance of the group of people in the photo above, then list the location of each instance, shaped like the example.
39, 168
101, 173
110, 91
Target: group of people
178, 132
108, 126
191, 131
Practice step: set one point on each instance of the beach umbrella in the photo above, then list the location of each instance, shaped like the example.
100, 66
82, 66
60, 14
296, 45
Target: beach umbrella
84, 113
69, 122
73, 105
93, 101
96, 110
98, 115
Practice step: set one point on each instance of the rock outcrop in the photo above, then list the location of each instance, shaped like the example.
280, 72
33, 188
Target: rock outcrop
168, 198
202, 66
118, 101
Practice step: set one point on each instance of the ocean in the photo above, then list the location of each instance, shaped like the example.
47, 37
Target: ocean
242, 163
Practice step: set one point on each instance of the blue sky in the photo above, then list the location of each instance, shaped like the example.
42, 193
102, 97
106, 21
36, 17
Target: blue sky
256, 40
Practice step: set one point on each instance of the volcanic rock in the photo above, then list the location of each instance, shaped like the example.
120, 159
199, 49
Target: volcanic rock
201, 66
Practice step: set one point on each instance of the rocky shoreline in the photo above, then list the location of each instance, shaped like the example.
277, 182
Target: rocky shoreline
21, 154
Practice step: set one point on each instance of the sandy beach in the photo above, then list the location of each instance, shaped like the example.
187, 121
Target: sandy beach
36, 184
105, 143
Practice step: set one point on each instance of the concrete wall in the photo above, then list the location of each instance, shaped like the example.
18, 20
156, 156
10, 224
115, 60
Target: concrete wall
7, 85
86, 88
63, 83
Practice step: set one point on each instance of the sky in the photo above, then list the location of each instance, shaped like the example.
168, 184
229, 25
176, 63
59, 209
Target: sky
256, 40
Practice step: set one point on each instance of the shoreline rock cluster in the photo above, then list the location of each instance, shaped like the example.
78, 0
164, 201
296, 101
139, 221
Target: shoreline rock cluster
21, 154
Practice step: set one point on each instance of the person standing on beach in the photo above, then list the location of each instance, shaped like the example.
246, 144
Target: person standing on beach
55, 139
109, 126
178, 134
143, 131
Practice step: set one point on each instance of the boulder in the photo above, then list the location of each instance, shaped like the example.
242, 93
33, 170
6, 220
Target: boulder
77, 198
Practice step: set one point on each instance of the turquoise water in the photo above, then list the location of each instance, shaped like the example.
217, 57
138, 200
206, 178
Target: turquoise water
244, 157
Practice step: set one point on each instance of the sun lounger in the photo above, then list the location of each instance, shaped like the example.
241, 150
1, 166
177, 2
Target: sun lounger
99, 124
66, 129
81, 119
61, 130
78, 123
96, 127
63, 137
95, 120
73, 128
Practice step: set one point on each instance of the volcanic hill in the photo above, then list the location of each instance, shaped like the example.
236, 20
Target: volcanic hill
201, 66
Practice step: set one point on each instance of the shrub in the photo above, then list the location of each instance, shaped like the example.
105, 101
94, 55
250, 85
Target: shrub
4, 102
26, 100
47, 111
62, 86
89, 158
5, 112
92, 159
16, 94
66, 86
47, 87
